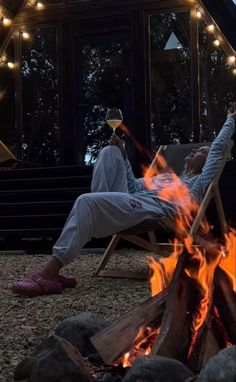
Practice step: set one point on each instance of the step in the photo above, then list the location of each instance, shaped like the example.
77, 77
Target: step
46, 183
43, 194
43, 172
30, 233
38, 208
33, 221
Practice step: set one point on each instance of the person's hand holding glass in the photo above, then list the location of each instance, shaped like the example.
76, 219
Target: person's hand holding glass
114, 118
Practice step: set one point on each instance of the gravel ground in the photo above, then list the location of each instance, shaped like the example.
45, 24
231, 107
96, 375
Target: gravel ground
26, 321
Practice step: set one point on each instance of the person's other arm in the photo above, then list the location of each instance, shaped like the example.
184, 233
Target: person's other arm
134, 184
217, 151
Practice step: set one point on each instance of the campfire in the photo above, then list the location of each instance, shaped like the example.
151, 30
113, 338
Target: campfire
190, 317
192, 312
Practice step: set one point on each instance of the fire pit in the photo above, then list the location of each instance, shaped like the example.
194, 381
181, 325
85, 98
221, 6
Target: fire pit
191, 316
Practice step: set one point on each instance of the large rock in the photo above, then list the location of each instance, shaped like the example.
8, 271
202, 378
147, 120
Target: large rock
154, 368
220, 368
54, 360
60, 363
78, 330
24, 367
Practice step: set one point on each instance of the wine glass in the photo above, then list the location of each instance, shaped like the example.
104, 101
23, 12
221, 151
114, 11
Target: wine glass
114, 118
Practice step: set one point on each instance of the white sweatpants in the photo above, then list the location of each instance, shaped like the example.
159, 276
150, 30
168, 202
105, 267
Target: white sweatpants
108, 209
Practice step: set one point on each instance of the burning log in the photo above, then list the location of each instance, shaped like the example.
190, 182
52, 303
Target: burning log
220, 326
225, 301
206, 347
119, 337
176, 321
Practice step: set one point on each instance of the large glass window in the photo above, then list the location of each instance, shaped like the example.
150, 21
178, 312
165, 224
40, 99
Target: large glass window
170, 58
41, 134
217, 84
103, 64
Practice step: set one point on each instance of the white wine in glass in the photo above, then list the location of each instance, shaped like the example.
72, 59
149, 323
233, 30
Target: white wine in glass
114, 118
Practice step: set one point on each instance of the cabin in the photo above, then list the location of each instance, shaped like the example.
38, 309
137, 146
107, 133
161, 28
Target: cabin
169, 65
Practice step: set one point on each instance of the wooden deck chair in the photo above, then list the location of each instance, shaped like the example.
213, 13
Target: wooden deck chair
7, 158
174, 156
9, 161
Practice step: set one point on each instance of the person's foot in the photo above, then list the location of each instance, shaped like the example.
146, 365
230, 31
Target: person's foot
67, 282
35, 285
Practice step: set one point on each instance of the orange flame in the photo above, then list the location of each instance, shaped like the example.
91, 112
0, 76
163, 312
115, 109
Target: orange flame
143, 343
228, 261
203, 273
137, 144
162, 269
172, 190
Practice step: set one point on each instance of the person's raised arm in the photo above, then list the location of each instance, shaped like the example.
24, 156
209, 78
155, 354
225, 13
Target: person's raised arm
134, 185
218, 149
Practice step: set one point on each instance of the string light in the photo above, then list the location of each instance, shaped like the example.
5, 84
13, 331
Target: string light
11, 65
216, 42
231, 59
39, 5
211, 28
198, 14
25, 35
6, 22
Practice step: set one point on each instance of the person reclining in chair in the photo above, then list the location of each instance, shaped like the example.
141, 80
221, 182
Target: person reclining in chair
119, 201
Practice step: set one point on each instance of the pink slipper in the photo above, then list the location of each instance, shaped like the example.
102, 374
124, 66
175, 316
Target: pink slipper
67, 282
36, 286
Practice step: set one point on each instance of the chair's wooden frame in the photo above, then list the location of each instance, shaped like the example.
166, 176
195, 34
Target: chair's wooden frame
150, 227
6, 153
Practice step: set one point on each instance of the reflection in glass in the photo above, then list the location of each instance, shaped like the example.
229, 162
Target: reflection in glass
170, 79
102, 71
217, 84
40, 135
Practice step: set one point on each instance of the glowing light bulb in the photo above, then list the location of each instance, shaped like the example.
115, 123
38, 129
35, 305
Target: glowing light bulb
211, 28
234, 72
25, 35
11, 65
231, 59
216, 42
39, 5
198, 14
6, 22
